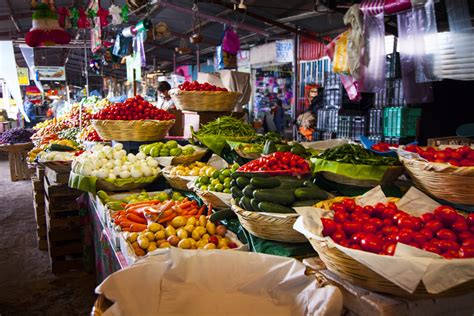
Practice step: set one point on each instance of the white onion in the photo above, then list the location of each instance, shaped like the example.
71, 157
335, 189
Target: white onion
109, 165
118, 147
116, 170
125, 168
141, 156
112, 176
94, 173
131, 158
118, 162
124, 174
147, 171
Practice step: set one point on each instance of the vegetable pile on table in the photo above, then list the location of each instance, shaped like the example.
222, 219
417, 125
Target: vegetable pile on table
355, 154
460, 157
194, 169
70, 133
16, 135
383, 147
278, 163
379, 228
133, 109
196, 86
89, 134
226, 126
220, 181
167, 149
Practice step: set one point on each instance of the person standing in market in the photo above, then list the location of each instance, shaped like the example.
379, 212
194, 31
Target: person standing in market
164, 99
279, 116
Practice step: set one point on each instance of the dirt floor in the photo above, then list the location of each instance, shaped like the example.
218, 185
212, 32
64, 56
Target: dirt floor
27, 286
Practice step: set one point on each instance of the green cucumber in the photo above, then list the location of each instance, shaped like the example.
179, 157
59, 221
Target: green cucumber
309, 183
248, 191
242, 182
312, 193
236, 192
305, 203
285, 197
254, 203
245, 204
237, 200
57, 147
274, 208
221, 215
265, 183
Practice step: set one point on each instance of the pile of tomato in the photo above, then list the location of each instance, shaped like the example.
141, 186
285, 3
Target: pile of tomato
133, 109
382, 147
379, 228
278, 161
460, 157
196, 86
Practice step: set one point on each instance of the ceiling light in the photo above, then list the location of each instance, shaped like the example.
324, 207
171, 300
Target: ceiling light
242, 5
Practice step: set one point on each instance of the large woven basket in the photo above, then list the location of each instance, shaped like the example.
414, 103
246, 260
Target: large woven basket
450, 183
271, 227
176, 182
212, 101
349, 269
390, 176
189, 159
209, 197
120, 130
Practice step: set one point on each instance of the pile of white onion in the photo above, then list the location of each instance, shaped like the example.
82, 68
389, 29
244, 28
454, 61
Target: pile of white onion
113, 162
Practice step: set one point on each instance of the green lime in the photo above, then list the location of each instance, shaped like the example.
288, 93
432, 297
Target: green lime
164, 152
226, 190
216, 174
222, 178
229, 179
227, 185
235, 166
171, 144
204, 187
204, 180
215, 182
163, 196
176, 196
226, 172
197, 184
155, 152
219, 187
175, 152
211, 188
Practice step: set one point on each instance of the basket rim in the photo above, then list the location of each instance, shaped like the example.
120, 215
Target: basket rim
448, 169
134, 121
264, 215
179, 91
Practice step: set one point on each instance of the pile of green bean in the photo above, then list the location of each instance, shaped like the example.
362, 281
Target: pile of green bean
355, 154
226, 126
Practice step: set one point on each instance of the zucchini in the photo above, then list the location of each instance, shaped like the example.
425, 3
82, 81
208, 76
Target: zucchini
285, 197
305, 203
57, 147
274, 208
265, 183
221, 215
254, 203
312, 193
236, 192
245, 204
237, 200
248, 191
242, 182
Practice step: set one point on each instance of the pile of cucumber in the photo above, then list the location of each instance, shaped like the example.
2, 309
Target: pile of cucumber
274, 194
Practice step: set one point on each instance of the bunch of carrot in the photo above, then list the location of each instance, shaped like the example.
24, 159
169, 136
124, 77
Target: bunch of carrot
134, 216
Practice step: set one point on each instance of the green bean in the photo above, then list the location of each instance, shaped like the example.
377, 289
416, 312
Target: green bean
355, 154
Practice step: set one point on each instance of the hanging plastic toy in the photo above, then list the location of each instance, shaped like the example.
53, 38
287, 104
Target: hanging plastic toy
64, 18
74, 17
45, 29
124, 13
83, 22
102, 14
115, 13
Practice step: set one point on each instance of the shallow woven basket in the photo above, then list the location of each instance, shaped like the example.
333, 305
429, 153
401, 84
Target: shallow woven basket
208, 197
269, 227
189, 159
390, 176
176, 182
450, 184
120, 130
109, 186
349, 269
212, 101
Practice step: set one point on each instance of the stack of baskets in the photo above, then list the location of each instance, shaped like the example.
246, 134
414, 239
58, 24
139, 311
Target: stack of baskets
212, 101
135, 130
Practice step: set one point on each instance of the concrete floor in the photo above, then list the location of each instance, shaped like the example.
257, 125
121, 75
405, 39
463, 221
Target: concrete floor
27, 286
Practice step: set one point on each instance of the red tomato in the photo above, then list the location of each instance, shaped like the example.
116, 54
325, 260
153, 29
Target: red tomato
369, 228
351, 227
387, 222
434, 226
340, 216
358, 209
446, 234
377, 222
446, 245
379, 209
419, 238
338, 236
349, 204
466, 252
371, 243
427, 233
442, 156
387, 230
357, 237
470, 219
450, 254
459, 226
456, 155
355, 246
431, 248
405, 236
411, 222
389, 248
425, 218
446, 214
468, 242
470, 155
329, 226
393, 237
392, 206
463, 151
338, 207
462, 236
369, 209
344, 243
398, 215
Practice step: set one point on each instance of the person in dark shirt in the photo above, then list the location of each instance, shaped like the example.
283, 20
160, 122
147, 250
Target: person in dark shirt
317, 101
279, 116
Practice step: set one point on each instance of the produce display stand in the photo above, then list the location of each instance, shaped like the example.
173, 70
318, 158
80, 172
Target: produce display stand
17, 154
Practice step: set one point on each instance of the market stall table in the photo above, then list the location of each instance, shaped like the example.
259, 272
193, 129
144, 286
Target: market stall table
17, 160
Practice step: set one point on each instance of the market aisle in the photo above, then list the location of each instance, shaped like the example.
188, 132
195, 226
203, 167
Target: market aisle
27, 286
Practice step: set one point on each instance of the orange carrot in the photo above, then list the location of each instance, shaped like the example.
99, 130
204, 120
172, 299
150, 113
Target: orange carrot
209, 210
136, 219
137, 227
126, 229
147, 203
134, 212
125, 224
194, 211
167, 218
201, 210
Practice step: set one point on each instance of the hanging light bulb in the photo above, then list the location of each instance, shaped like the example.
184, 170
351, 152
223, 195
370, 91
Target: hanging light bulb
242, 5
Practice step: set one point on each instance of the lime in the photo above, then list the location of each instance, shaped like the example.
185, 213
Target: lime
175, 152
219, 187
197, 184
225, 172
163, 196
164, 152
204, 180
171, 144
155, 152
229, 179
215, 182
227, 185
216, 174
226, 190
222, 178
235, 166
176, 196
211, 188
204, 187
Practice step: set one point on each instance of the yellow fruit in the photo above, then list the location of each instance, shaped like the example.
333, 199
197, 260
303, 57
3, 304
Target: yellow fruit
196, 235
182, 233
135, 245
205, 236
202, 221
189, 228
143, 242
210, 246
184, 244
165, 245
151, 246
139, 252
191, 221
178, 221
222, 243
150, 236
202, 230
169, 230
193, 243
154, 227
160, 235
201, 243
211, 228
132, 237
224, 248
173, 240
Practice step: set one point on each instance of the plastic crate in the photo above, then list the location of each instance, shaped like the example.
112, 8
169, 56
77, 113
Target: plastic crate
400, 121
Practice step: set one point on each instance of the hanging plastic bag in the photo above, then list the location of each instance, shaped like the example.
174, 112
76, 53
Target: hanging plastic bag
355, 43
341, 60
225, 60
396, 6
230, 41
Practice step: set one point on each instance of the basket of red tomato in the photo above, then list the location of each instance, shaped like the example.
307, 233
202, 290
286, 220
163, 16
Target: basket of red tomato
133, 120
446, 173
195, 96
383, 248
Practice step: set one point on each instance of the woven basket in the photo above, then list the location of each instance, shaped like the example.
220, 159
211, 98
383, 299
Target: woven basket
208, 197
266, 226
110, 186
349, 269
453, 184
212, 101
138, 131
390, 176
176, 182
186, 160
101, 304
